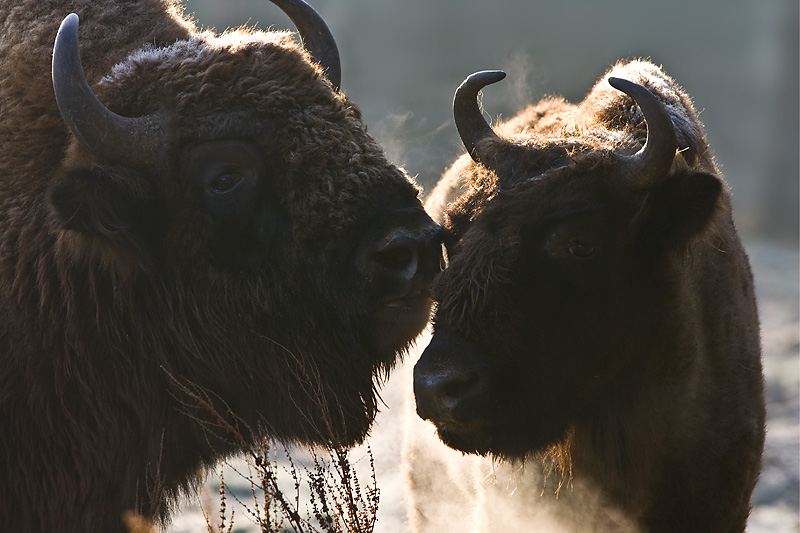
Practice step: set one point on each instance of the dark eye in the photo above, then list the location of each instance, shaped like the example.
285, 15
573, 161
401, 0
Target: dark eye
225, 182
581, 250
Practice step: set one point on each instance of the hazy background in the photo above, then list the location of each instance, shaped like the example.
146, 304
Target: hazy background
402, 61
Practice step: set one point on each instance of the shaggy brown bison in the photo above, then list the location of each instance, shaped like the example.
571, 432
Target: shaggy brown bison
216, 252
598, 306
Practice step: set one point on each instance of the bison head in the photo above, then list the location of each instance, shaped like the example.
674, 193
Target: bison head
244, 237
560, 255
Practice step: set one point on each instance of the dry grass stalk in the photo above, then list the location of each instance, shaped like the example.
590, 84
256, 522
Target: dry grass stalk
335, 501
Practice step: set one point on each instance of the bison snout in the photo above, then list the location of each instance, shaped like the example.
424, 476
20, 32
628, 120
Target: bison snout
438, 394
407, 255
396, 262
445, 387
403, 254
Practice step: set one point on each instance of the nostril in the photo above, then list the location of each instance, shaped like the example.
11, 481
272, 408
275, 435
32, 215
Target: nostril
394, 256
398, 257
439, 394
403, 250
456, 388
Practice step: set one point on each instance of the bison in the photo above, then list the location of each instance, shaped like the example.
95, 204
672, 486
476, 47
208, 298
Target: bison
200, 246
597, 310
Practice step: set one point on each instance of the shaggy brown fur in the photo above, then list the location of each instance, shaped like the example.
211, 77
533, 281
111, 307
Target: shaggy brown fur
149, 328
613, 329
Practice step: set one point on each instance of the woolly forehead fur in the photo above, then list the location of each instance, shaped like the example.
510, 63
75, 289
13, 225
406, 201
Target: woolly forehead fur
615, 109
243, 83
180, 62
607, 122
607, 119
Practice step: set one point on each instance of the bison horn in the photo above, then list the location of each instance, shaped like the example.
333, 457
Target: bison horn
317, 38
471, 126
99, 130
651, 164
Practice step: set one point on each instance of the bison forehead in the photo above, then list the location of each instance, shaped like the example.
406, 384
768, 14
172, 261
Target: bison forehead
554, 133
261, 71
612, 108
480, 269
261, 86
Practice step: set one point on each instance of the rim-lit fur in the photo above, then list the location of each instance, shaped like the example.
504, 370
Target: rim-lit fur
610, 328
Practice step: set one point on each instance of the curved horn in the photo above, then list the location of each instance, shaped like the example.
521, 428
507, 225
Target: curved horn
99, 130
317, 38
651, 164
471, 126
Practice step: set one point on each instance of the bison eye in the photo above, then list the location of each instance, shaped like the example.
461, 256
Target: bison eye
581, 250
226, 183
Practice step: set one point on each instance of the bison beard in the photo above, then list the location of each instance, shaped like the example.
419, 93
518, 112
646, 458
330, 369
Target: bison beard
598, 305
209, 251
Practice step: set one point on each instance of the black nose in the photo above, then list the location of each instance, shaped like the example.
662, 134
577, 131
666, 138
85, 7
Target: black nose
439, 393
403, 253
446, 383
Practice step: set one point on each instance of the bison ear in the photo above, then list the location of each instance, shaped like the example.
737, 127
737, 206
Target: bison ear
677, 209
96, 204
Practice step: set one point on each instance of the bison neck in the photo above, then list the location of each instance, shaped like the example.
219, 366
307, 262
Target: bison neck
681, 422
100, 455
93, 424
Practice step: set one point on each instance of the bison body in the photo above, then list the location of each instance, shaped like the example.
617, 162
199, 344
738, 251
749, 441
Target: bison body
598, 308
209, 251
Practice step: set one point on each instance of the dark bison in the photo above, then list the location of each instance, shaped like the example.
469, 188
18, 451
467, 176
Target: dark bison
216, 252
598, 305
